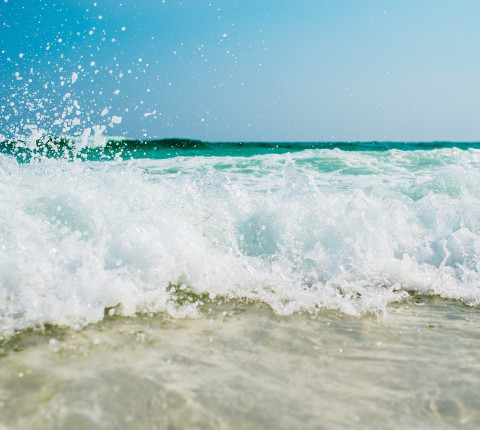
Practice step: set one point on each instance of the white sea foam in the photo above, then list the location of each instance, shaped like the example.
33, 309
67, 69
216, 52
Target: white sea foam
341, 230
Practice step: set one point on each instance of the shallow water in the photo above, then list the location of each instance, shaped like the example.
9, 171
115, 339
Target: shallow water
239, 286
245, 367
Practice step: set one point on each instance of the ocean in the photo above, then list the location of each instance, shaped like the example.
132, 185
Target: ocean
177, 283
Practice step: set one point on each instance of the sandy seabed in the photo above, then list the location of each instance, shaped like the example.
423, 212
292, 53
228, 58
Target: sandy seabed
243, 367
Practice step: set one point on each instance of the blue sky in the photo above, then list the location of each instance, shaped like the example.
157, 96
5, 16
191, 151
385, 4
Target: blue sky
243, 70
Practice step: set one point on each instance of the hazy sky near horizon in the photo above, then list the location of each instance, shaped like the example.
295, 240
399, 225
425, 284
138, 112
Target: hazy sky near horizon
312, 70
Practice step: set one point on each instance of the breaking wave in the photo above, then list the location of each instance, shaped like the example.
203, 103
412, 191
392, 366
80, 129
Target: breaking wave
315, 229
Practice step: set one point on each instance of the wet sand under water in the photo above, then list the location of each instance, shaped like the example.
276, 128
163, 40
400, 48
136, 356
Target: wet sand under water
244, 367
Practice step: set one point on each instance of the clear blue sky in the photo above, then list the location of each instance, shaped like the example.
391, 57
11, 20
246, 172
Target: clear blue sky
243, 70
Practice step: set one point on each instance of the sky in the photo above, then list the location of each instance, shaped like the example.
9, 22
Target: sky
244, 70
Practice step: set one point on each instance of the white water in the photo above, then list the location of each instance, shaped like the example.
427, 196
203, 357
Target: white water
330, 229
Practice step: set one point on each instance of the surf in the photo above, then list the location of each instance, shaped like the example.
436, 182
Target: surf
352, 231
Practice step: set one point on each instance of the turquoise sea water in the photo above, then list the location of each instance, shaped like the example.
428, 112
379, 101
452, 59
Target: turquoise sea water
105, 148
259, 256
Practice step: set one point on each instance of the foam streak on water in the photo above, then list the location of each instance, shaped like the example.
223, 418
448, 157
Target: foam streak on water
319, 228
